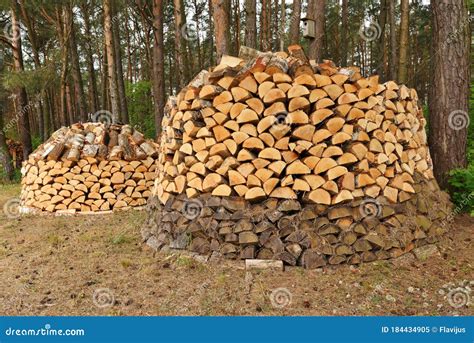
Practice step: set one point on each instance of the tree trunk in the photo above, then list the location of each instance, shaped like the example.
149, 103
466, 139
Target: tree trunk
5, 156
22, 99
92, 89
265, 25
33, 38
275, 25
402, 59
236, 26
105, 103
158, 64
344, 32
129, 50
111, 68
295, 22
119, 70
69, 104
281, 30
316, 9
180, 43
382, 46
448, 101
221, 26
198, 14
211, 33
393, 40
80, 99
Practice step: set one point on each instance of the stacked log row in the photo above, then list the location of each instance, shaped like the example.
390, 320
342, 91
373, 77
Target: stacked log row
89, 167
309, 235
275, 127
279, 156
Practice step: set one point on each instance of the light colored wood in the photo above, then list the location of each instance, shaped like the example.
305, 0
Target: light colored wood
304, 132
247, 116
333, 91
222, 190
324, 164
274, 95
347, 98
335, 124
249, 84
283, 193
220, 133
297, 91
320, 196
297, 168
391, 194
336, 172
298, 103
270, 184
253, 143
301, 185
255, 194
270, 154
319, 115
251, 264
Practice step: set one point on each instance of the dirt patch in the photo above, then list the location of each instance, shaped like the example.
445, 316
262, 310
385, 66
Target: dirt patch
97, 265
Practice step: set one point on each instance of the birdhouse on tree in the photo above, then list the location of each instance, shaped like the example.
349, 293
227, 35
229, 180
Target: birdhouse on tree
308, 28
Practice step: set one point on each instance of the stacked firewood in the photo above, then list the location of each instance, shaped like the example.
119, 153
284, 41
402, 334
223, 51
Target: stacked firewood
276, 125
90, 167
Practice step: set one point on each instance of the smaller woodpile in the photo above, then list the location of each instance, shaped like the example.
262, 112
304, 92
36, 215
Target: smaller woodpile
89, 167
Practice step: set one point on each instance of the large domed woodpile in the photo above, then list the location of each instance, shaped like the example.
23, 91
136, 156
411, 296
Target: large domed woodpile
275, 157
89, 167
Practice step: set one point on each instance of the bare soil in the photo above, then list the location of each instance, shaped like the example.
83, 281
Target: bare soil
55, 265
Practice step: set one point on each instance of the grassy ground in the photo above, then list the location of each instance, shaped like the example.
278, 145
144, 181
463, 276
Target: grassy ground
97, 265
